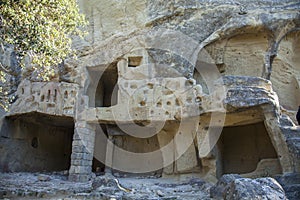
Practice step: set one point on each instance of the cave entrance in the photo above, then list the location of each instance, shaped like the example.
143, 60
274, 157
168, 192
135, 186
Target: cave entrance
108, 154
36, 142
242, 148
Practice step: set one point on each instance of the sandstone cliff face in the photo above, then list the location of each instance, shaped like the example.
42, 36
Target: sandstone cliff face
243, 40
167, 77
249, 38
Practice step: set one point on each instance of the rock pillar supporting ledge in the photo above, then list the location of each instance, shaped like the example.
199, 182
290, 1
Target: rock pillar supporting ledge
82, 152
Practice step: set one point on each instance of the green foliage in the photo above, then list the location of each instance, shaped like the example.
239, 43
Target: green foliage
40, 29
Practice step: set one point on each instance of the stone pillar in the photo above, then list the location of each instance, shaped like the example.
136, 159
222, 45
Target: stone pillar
168, 155
82, 152
186, 155
206, 154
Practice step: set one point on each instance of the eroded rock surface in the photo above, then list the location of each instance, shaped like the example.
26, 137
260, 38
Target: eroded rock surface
236, 187
211, 87
55, 186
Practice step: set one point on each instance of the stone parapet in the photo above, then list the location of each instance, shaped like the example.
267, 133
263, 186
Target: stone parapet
53, 98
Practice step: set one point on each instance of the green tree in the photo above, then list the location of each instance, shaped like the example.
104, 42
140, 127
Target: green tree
39, 31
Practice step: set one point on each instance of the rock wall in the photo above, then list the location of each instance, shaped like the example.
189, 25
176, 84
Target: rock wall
165, 77
254, 38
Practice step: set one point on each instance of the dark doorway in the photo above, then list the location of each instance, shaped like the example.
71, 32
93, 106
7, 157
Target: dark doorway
242, 147
35, 142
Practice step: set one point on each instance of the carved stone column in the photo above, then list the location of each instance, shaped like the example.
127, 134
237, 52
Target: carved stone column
82, 152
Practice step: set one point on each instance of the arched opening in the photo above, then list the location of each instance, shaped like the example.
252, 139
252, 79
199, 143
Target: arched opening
286, 72
241, 54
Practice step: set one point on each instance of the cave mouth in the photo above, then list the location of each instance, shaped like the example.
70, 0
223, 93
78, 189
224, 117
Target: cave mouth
36, 142
104, 153
241, 148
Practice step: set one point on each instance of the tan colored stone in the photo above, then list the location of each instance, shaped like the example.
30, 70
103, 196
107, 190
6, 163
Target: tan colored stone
141, 68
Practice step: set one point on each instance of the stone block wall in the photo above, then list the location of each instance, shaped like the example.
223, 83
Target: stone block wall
82, 152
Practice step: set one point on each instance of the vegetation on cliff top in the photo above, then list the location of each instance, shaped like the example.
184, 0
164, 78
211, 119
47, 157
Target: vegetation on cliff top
39, 31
